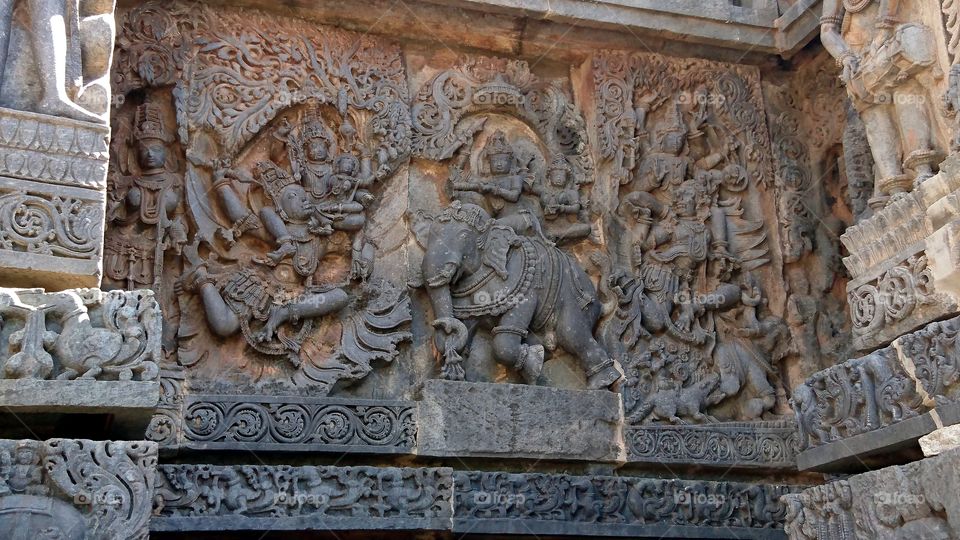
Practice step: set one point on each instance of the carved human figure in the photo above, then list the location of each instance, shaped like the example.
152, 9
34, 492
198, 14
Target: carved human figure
72, 43
149, 202
500, 191
885, 56
26, 472
233, 298
560, 199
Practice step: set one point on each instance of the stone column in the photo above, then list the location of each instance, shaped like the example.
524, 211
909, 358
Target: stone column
66, 351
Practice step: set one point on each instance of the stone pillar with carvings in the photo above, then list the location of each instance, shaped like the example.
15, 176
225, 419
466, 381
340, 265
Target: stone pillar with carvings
73, 359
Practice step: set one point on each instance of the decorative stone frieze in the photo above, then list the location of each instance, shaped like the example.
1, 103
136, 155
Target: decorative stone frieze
65, 488
917, 500
884, 400
281, 423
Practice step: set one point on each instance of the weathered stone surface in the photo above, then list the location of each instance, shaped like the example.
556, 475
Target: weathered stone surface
726, 445
65, 488
79, 396
940, 440
546, 504
262, 497
882, 401
918, 500
509, 420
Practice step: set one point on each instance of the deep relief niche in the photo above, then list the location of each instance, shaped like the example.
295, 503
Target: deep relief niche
253, 164
511, 172
688, 278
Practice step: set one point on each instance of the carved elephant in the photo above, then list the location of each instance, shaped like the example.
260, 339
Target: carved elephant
478, 270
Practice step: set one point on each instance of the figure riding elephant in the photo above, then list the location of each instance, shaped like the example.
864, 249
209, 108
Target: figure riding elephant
477, 270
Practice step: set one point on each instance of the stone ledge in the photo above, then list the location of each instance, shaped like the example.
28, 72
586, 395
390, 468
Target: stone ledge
78, 396
519, 421
262, 497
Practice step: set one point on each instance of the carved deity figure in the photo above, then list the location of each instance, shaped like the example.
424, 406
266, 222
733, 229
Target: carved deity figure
501, 189
887, 59
146, 206
563, 211
72, 44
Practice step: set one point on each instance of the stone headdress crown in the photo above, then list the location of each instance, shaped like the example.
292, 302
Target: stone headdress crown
497, 145
150, 123
272, 178
560, 163
672, 123
314, 127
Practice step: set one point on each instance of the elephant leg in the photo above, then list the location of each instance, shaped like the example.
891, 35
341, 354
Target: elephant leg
575, 335
508, 346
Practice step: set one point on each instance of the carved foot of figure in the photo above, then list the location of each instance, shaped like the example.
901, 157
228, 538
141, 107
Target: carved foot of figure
278, 316
65, 108
285, 250
605, 375
531, 362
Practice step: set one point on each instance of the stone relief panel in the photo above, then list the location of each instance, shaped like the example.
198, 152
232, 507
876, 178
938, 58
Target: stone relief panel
916, 500
689, 271
253, 163
819, 183
76, 489
79, 334
508, 203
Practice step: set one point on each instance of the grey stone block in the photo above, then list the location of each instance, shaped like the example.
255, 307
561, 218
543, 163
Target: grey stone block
510, 420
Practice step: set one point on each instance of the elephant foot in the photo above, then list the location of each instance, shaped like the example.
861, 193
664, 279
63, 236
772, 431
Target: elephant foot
604, 375
531, 362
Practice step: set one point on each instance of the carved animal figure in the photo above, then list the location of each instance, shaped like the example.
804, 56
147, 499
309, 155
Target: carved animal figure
478, 271
744, 372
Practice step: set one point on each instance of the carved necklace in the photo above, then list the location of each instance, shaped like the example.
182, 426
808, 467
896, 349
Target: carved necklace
856, 6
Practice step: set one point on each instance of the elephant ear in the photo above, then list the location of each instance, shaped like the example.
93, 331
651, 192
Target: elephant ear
421, 223
496, 249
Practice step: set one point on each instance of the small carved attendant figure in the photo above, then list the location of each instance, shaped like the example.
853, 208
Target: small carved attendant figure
26, 474
559, 198
311, 154
666, 164
885, 60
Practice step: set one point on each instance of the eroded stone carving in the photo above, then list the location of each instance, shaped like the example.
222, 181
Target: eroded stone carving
63, 488
684, 302
85, 334
746, 444
65, 52
265, 198
539, 499
249, 422
368, 497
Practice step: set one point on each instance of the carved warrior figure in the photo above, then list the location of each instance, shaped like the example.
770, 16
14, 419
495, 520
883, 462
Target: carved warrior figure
888, 60
72, 45
478, 269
